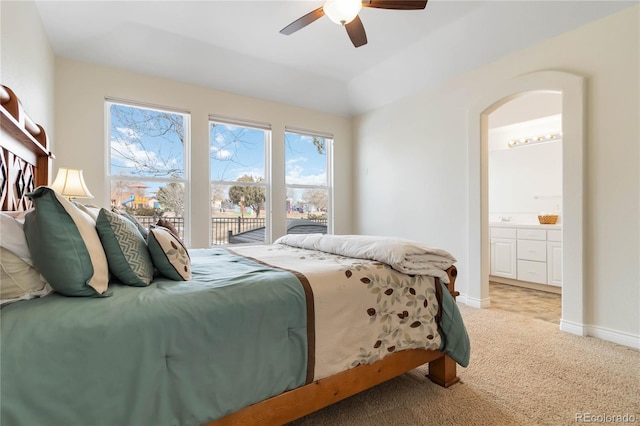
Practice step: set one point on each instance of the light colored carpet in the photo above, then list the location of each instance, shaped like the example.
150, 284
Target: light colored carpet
523, 371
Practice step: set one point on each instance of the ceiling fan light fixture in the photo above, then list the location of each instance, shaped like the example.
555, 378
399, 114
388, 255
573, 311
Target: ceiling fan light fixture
342, 11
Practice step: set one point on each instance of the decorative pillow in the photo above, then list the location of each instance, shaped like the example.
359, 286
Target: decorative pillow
144, 231
12, 236
166, 224
169, 254
89, 209
126, 249
20, 281
65, 246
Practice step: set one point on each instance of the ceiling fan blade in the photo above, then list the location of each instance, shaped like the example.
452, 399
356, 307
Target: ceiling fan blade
396, 4
303, 21
356, 32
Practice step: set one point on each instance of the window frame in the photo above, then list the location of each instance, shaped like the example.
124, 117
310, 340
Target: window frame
186, 154
266, 184
329, 187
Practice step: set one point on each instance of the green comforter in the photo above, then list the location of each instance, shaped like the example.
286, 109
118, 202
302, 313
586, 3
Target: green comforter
455, 340
173, 353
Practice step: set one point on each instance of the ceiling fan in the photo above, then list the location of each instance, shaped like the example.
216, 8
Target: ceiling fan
345, 12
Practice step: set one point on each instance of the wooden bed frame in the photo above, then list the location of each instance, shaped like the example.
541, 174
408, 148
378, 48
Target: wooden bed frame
24, 154
24, 165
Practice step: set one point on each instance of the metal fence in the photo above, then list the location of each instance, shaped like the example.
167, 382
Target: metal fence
177, 222
221, 227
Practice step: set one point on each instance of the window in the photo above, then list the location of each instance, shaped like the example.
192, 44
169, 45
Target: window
148, 152
239, 174
308, 158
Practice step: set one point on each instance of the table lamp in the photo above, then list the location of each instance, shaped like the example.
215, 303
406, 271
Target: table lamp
70, 183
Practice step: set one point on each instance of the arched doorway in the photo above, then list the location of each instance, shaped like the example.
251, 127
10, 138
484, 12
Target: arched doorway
572, 88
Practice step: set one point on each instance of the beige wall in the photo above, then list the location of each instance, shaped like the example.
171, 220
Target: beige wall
27, 61
75, 117
423, 140
80, 130
410, 158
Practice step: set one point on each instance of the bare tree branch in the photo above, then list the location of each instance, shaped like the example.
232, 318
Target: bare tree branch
138, 137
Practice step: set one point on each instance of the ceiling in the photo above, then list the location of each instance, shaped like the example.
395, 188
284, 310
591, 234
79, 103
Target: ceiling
236, 46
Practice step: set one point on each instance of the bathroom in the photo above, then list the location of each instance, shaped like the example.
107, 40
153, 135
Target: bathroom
525, 204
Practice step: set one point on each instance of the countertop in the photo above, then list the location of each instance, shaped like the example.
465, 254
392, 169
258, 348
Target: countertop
524, 225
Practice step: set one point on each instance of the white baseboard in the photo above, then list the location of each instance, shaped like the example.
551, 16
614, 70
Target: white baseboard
474, 302
614, 336
462, 298
619, 337
573, 328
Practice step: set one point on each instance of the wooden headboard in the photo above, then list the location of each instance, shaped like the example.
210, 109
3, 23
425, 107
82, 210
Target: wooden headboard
24, 154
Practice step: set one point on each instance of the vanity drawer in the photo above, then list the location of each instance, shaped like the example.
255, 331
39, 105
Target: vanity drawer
532, 234
535, 272
532, 250
503, 232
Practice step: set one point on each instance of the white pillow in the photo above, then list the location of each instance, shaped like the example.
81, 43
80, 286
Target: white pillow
89, 209
12, 235
19, 280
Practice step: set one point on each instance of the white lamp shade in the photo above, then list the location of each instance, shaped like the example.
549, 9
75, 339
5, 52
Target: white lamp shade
70, 183
342, 11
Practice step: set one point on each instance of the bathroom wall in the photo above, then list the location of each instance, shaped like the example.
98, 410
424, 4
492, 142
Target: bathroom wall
525, 180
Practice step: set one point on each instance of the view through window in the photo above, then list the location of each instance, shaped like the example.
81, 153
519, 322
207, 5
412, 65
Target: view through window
308, 181
147, 172
239, 176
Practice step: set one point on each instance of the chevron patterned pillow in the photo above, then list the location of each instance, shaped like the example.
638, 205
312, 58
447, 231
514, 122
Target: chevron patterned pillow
144, 231
127, 254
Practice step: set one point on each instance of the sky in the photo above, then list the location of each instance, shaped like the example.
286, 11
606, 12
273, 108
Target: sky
238, 151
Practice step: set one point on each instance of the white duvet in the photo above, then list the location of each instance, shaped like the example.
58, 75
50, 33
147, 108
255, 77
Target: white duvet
405, 256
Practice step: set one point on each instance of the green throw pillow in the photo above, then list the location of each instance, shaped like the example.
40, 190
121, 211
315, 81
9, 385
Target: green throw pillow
169, 254
126, 250
65, 246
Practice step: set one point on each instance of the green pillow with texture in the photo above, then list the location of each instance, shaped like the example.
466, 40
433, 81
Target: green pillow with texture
126, 250
65, 246
144, 231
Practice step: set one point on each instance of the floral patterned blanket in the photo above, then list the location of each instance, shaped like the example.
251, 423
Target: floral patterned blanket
363, 310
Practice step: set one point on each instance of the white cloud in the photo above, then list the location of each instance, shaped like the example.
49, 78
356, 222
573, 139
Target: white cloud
130, 154
296, 175
128, 132
221, 154
133, 155
293, 161
220, 139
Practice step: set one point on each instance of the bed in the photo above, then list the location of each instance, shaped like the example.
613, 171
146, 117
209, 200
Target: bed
259, 334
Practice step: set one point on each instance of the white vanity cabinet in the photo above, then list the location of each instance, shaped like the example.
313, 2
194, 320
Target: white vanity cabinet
532, 255
529, 253
503, 253
554, 257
